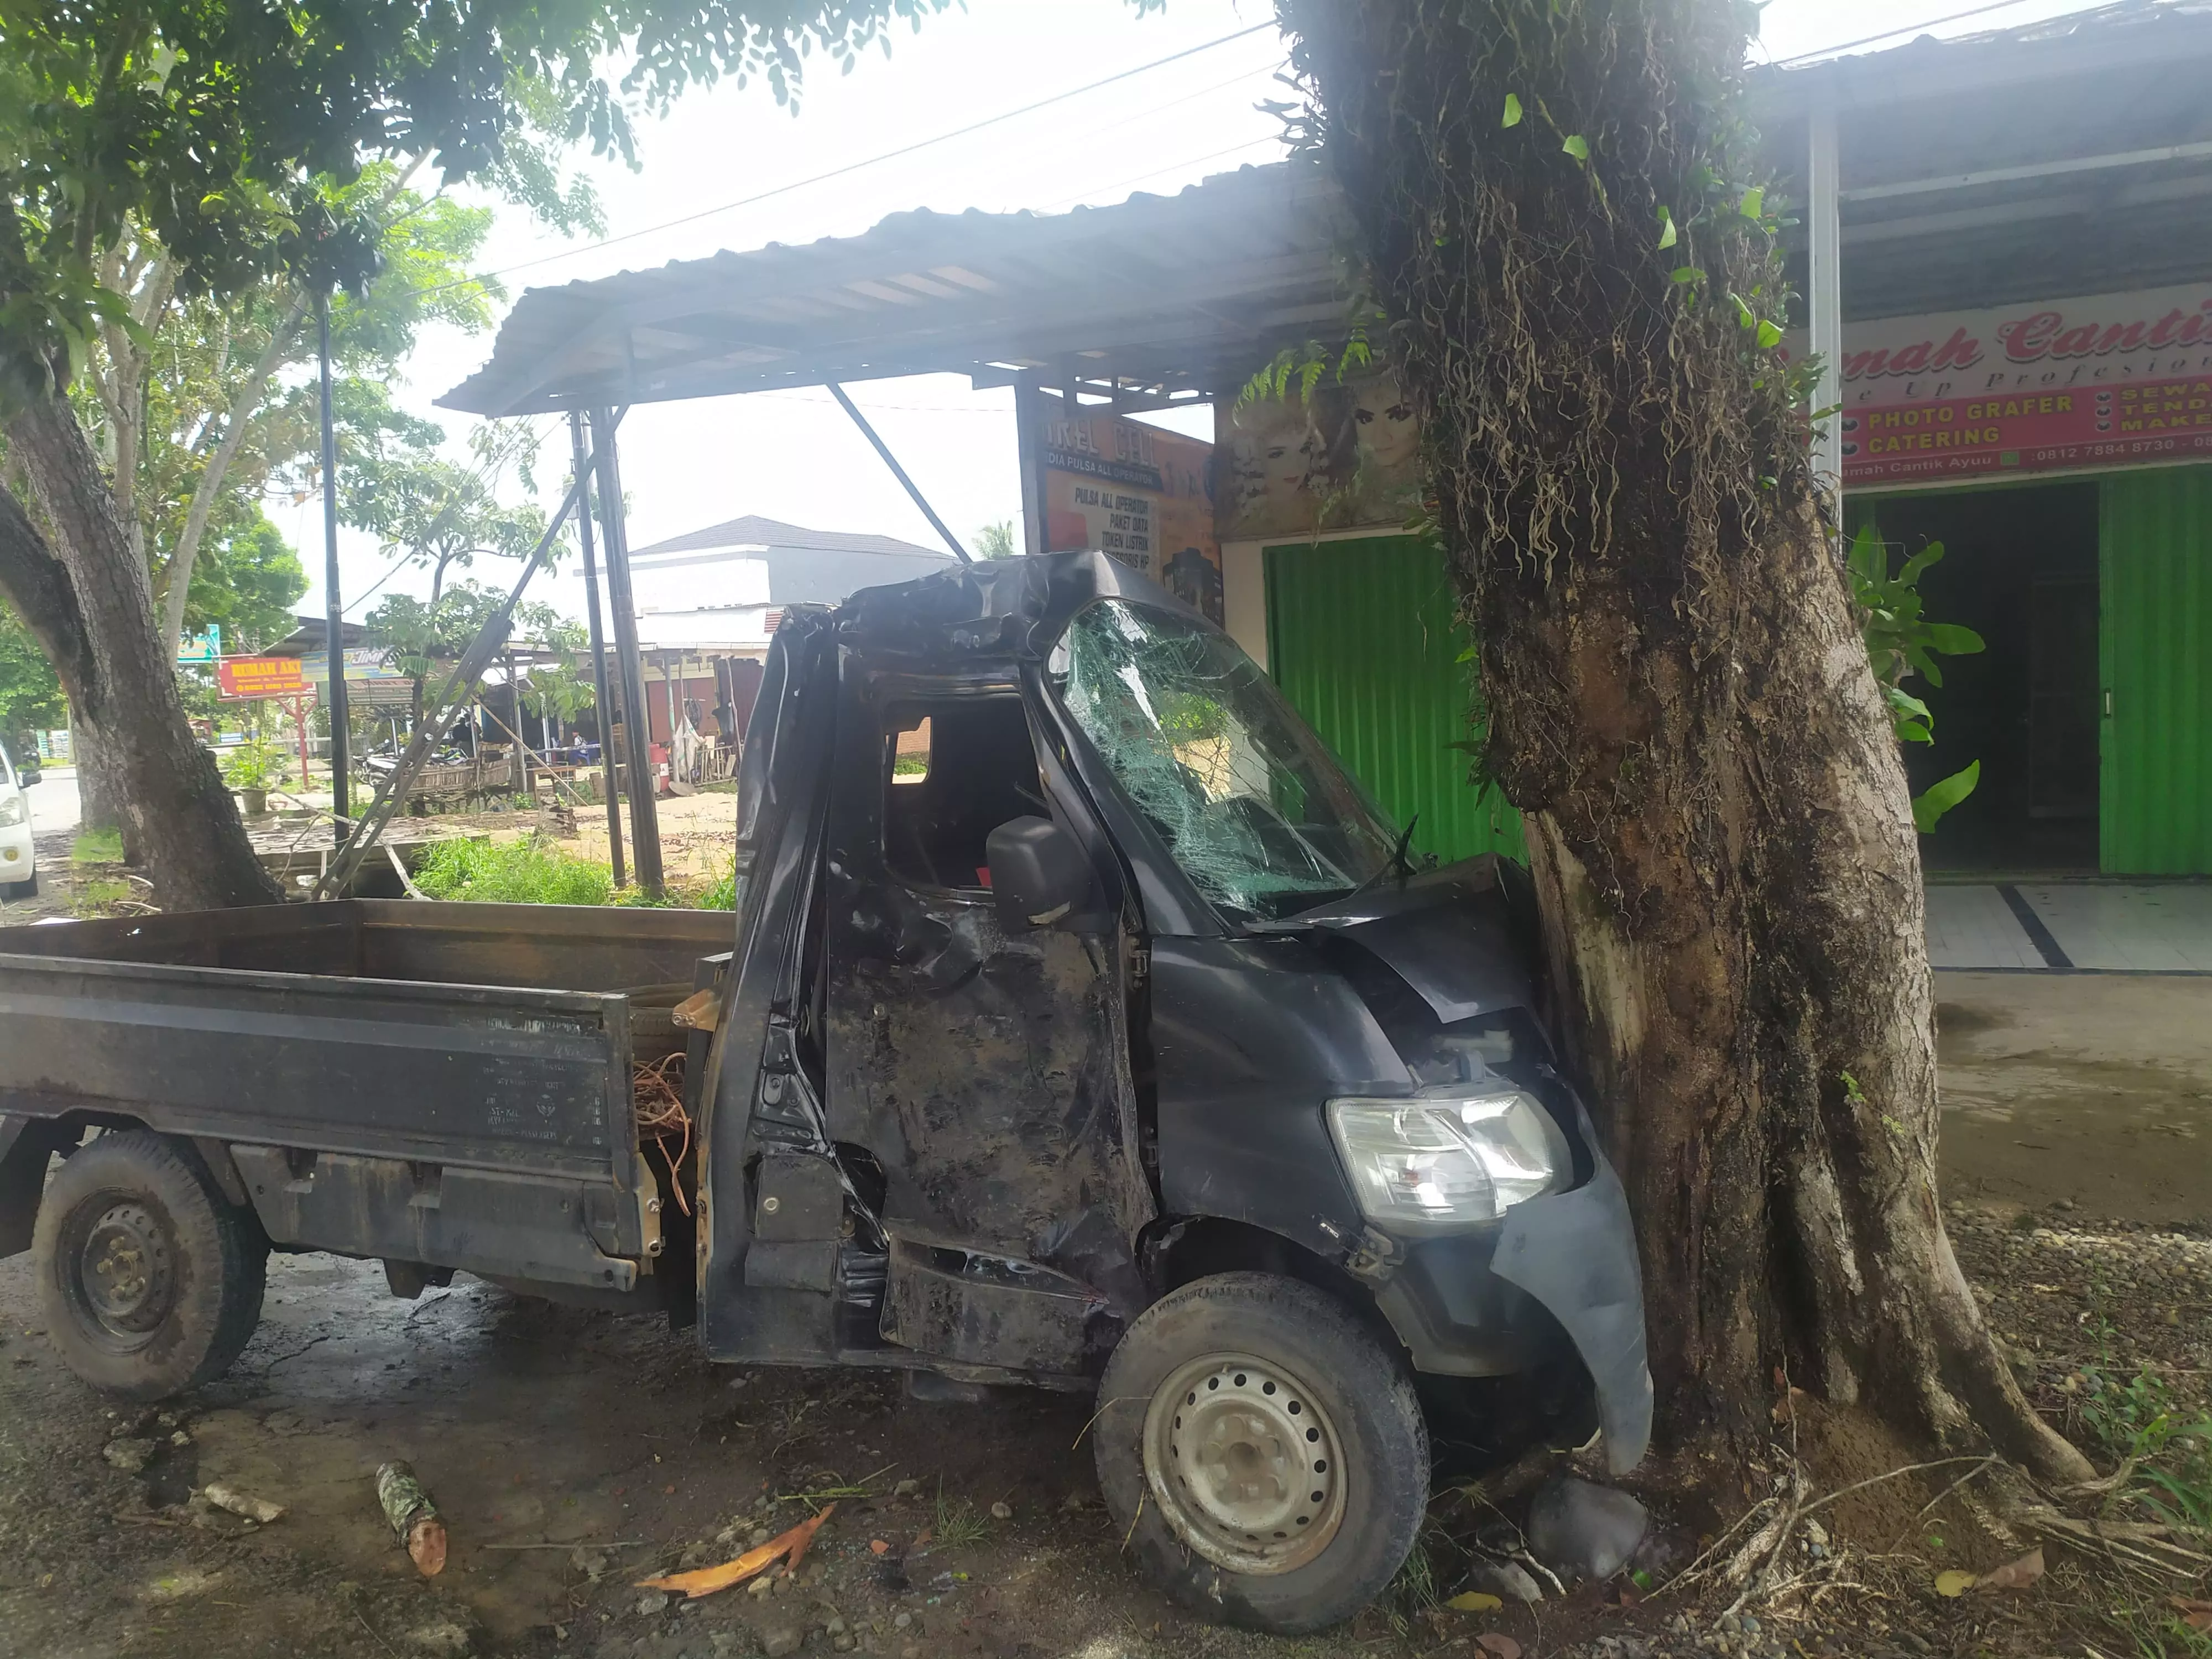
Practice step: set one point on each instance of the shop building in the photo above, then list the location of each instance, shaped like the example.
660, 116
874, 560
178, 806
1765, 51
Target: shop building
2018, 247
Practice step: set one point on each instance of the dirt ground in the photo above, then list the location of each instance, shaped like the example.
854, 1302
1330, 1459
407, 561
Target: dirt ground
2094, 1090
574, 1453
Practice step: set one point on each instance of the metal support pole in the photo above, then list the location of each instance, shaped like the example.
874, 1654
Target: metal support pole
1029, 442
1824, 300
622, 612
898, 471
459, 691
599, 689
333, 612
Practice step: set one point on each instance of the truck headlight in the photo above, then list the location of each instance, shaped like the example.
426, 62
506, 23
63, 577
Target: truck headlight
11, 810
1438, 1163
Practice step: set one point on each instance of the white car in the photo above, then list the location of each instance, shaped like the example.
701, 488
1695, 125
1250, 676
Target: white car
19, 871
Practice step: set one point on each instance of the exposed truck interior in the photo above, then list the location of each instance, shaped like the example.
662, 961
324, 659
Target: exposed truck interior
1082, 1024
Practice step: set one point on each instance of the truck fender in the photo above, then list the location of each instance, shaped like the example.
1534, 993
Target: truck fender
1574, 1252
28, 1144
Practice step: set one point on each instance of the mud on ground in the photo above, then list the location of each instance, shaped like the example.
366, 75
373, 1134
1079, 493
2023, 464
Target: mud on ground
574, 1452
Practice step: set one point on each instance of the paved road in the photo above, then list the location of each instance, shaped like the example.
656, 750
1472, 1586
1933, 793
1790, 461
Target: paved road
53, 800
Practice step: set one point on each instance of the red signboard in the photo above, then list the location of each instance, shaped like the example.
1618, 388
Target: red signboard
2108, 380
2130, 424
247, 678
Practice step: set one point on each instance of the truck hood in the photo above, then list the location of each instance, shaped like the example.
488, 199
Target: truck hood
1460, 936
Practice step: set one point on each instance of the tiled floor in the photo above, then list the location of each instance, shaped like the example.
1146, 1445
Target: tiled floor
1973, 927
2107, 926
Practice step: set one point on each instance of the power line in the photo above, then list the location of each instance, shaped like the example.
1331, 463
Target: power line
1907, 28
1211, 156
874, 160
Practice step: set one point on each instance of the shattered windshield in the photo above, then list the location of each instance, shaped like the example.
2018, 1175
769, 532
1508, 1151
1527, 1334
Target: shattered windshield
1256, 811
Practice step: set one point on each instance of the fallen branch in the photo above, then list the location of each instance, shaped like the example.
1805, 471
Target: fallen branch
792, 1545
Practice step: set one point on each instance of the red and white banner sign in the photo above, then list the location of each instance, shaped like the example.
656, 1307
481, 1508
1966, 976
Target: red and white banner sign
242, 678
2118, 380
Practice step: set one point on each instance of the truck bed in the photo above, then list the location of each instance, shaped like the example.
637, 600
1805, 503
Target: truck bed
424, 1081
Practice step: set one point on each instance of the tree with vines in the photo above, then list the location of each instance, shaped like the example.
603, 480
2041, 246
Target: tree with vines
1564, 224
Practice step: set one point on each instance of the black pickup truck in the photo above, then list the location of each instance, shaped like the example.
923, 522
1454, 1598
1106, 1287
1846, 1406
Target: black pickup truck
1083, 1024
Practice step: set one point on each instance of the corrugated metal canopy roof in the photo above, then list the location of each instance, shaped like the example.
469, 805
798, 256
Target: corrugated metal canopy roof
1162, 295
2067, 156
1181, 296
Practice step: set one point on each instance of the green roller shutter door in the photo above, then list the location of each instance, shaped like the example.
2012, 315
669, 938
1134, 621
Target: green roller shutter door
1362, 639
2156, 553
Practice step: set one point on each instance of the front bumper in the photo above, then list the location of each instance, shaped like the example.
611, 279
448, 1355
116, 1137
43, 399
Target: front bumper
1493, 1302
16, 858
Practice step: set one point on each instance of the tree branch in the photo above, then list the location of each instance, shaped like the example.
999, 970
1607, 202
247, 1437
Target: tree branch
39, 588
178, 572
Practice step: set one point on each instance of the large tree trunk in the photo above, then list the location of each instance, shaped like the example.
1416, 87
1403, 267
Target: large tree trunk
86, 598
1679, 697
99, 788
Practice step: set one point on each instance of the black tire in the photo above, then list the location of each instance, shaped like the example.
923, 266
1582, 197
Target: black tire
26, 889
149, 1279
1324, 1374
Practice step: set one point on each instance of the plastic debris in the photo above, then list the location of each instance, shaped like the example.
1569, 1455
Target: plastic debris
1507, 1579
1583, 1530
699, 1011
413, 1517
237, 1502
130, 1455
790, 1548
2013, 1575
1474, 1601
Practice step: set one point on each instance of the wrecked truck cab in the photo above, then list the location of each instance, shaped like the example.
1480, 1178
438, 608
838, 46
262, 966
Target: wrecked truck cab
1083, 1025
1087, 1020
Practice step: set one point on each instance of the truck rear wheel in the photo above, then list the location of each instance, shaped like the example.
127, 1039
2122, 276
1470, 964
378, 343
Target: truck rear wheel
149, 1279
1263, 1452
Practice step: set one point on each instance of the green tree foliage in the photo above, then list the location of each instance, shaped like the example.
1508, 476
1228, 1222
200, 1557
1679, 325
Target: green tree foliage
1901, 643
247, 583
30, 694
443, 514
212, 406
160, 148
996, 541
209, 124
422, 639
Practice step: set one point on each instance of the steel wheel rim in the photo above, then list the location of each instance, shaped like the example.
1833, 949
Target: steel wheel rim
123, 1284
1244, 1464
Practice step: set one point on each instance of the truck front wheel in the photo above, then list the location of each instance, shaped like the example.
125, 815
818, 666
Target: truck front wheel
149, 1279
1263, 1452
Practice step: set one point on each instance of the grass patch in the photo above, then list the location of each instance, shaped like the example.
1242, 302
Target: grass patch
956, 1523
512, 873
2138, 1419
89, 900
533, 871
97, 846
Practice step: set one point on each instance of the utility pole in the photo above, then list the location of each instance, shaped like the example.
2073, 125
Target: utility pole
622, 612
608, 713
333, 611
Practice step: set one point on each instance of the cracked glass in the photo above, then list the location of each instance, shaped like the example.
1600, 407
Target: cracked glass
1252, 806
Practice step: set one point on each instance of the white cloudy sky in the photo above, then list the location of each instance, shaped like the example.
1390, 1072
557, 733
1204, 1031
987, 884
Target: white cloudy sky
793, 455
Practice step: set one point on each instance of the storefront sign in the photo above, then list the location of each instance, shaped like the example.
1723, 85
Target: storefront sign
364, 664
1143, 496
205, 647
1348, 458
243, 678
2119, 380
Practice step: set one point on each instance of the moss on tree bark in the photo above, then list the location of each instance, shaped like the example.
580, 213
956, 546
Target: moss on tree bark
1678, 695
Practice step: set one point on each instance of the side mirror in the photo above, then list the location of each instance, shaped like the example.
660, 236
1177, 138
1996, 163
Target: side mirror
28, 775
1038, 874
